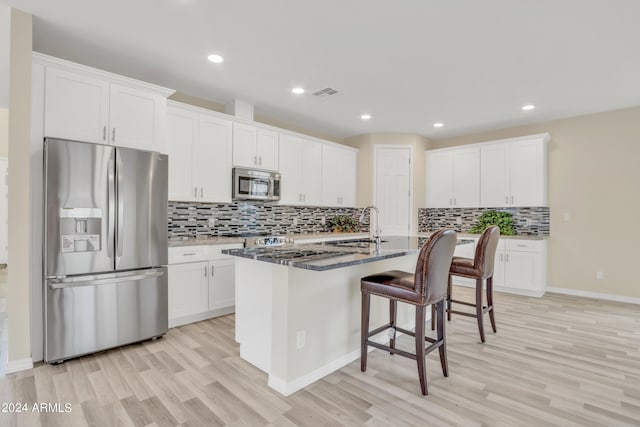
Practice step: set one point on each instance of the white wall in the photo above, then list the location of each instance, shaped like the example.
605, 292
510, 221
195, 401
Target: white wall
19, 276
4, 55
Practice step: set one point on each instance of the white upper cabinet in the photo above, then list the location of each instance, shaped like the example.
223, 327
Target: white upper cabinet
182, 128
453, 178
214, 159
514, 172
255, 147
339, 167
136, 118
90, 105
301, 170
199, 146
76, 106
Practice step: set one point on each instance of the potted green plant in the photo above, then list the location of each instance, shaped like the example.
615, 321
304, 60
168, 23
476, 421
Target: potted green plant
502, 219
343, 223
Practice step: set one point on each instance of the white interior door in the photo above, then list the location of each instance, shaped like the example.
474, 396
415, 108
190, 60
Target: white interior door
4, 211
393, 190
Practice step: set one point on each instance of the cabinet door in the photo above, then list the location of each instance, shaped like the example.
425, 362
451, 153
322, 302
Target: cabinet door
181, 146
222, 284
330, 184
348, 163
440, 179
267, 149
214, 159
244, 145
311, 172
494, 175
188, 289
521, 270
76, 106
135, 118
527, 174
499, 268
466, 177
290, 167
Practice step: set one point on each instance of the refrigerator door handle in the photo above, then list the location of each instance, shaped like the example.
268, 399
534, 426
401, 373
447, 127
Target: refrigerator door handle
120, 207
79, 282
111, 209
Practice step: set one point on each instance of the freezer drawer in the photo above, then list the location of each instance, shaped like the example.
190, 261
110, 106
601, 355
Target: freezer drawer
85, 314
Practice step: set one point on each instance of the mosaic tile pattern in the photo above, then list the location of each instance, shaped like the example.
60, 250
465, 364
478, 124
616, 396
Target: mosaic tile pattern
190, 219
533, 221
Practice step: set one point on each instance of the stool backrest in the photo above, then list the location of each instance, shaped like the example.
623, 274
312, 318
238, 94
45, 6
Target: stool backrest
434, 262
486, 251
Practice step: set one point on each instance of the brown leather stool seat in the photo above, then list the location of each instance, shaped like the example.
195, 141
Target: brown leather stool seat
479, 268
427, 285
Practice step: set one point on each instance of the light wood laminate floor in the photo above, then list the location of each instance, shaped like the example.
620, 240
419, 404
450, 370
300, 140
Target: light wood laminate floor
557, 360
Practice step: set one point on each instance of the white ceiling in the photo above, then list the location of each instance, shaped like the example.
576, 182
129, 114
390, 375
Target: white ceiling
470, 64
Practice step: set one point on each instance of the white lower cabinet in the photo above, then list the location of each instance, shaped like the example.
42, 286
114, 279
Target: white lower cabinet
201, 283
520, 266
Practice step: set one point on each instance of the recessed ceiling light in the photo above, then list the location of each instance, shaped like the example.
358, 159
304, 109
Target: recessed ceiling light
438, 125
365, 116
298, 90
528, 107
216, 59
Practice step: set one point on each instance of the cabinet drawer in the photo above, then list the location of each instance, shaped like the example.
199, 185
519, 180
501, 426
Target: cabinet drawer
182, 254
525, 245
215, 251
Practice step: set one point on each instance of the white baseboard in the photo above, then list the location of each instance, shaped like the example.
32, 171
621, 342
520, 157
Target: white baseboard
185, 320
595, 295
288, 388
524, 292
14, 366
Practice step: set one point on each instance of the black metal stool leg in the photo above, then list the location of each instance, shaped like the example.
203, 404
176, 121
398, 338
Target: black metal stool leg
364, 330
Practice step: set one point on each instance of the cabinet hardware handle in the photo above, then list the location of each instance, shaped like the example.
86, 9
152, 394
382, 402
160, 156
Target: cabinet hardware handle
104, 133
299, 197
506, 257
205, 271
511, 199
195, 191
455, 202
304, 197
501, 257
255, 160
113, 135
260, 161
506, 200
522, 246
213, 271
188, 253
201, 191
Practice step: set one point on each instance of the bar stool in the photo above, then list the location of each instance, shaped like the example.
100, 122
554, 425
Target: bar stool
479, 268
427, 285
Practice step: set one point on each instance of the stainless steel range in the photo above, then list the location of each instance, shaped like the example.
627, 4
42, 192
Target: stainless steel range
260, 241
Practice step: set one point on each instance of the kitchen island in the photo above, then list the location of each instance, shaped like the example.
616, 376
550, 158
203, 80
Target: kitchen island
298, 307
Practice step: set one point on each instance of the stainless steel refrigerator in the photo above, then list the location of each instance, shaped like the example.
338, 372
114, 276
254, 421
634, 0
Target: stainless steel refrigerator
105, 247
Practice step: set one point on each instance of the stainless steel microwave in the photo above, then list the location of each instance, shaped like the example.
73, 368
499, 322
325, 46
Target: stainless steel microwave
252, 184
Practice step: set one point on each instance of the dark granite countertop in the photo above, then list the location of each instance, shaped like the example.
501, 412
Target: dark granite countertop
336, 254
517, 236
225, 240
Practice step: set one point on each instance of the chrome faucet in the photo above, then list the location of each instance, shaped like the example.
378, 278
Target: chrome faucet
377, 232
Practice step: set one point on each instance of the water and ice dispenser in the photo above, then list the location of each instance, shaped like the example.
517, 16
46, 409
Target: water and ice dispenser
80, 229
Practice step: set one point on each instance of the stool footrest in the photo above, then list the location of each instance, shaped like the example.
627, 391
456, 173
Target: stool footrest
470, 304
427, 350
485, 310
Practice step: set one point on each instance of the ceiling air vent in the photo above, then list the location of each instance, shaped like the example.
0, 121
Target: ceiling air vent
325, 91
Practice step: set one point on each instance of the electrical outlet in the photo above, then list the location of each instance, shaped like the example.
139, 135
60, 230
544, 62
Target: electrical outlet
295, 221
301, 337
211, 222
565, 216
527, 222
599, 275
459, 221
323, 220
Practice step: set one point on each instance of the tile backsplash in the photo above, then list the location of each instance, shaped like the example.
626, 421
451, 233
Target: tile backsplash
190, 219
533, 221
